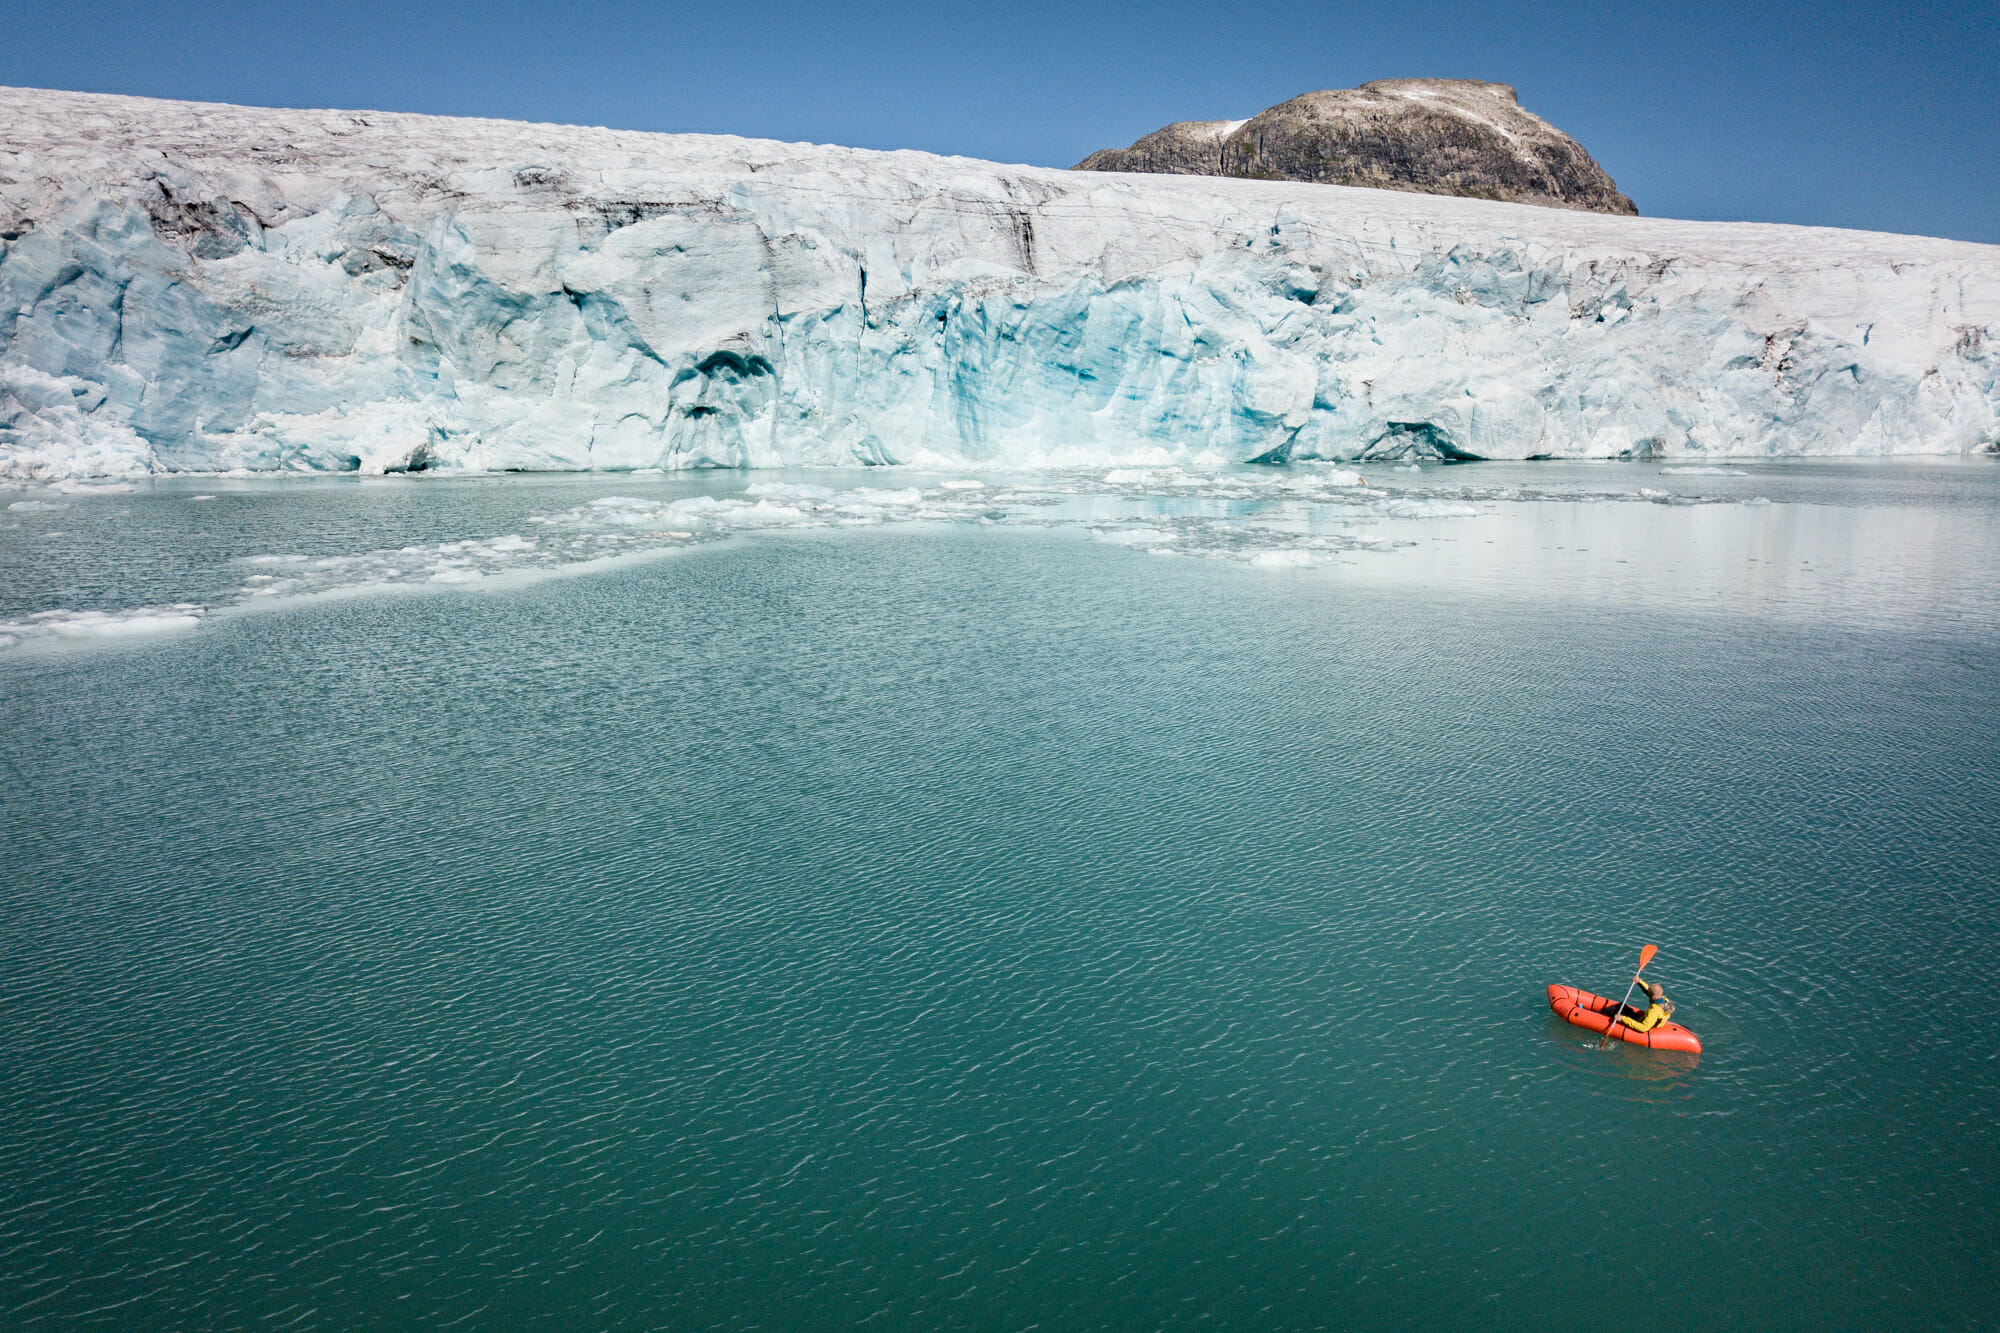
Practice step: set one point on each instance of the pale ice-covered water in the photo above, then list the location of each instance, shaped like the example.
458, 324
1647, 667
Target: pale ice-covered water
82, 562
920, 904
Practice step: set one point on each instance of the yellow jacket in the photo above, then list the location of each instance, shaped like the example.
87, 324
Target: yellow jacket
1656, 1014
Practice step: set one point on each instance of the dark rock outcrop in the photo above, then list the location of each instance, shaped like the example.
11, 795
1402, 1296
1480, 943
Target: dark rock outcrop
1432, 136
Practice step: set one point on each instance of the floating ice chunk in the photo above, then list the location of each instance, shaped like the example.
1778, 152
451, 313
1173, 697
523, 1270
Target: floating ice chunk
1704, 472
624, 509
71, 486
201, 497
1648, 493
115, 626
37, 506
1287, 559
1311, 483
510, 544
909, 495
964, 484
1154, 477
62, 623
1415, 508
767, 511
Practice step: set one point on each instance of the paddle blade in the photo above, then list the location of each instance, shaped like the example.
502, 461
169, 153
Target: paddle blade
1646, 955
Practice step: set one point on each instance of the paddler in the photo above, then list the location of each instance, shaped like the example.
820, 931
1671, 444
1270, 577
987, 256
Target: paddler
1658, 1010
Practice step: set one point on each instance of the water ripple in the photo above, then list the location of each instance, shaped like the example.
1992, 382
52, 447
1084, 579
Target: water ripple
943, 924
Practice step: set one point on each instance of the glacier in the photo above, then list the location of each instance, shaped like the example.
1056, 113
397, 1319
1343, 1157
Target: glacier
206, 288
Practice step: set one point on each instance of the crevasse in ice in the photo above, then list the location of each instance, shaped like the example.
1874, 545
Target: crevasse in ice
194, 287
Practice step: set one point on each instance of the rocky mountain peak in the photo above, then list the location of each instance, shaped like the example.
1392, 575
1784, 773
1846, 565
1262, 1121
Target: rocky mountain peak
1432, 136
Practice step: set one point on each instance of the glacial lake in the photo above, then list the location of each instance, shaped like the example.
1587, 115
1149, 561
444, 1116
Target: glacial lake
1113, 900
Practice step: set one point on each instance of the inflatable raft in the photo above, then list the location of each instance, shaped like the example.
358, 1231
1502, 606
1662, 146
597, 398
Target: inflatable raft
1594, 1012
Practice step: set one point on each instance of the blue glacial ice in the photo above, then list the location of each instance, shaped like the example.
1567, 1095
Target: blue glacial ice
188, 287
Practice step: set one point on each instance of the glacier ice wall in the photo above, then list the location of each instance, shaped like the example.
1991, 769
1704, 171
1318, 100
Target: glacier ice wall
197, 287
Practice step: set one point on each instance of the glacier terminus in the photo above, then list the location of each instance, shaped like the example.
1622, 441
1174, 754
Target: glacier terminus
191, 287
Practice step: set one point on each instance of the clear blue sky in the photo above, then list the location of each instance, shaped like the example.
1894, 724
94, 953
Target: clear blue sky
1830, 113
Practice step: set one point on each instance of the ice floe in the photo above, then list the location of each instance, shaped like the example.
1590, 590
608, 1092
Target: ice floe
1300, 517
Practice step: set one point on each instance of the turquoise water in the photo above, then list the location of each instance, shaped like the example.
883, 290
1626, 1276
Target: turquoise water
980, 922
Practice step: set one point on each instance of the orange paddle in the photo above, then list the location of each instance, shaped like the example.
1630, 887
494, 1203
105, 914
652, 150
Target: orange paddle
1645, 957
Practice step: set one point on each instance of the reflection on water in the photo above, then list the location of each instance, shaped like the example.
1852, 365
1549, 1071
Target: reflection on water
1879, 567
1622, 1071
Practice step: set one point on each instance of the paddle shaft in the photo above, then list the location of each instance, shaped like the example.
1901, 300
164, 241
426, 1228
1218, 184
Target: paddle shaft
1645, 957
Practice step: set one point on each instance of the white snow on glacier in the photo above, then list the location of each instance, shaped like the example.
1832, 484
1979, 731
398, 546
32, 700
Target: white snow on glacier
209, 288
